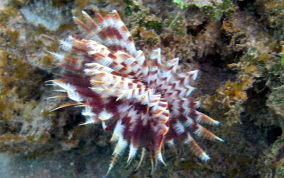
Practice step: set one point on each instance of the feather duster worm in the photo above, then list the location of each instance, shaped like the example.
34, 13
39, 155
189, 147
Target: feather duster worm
144, 99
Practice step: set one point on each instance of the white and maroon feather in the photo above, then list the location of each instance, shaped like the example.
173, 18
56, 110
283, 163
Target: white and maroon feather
144, 100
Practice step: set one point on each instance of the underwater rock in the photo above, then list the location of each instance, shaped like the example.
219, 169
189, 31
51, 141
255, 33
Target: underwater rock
276, 100
43, 12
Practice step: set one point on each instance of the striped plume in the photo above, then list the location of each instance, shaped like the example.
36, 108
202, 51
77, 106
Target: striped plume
143, 99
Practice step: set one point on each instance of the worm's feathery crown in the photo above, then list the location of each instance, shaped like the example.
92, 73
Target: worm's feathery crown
144, 100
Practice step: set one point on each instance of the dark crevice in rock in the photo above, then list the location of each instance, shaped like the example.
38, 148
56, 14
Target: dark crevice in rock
214, 72
257, 119
74, 119
251, 7
272, 133
243, 5
167, 41
194, 30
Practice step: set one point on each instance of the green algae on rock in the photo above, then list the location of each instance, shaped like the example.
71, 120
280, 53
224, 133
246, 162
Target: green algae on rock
276, 100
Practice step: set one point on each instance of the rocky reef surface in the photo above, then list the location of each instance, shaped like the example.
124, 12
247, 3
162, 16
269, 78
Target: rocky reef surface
236, 44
